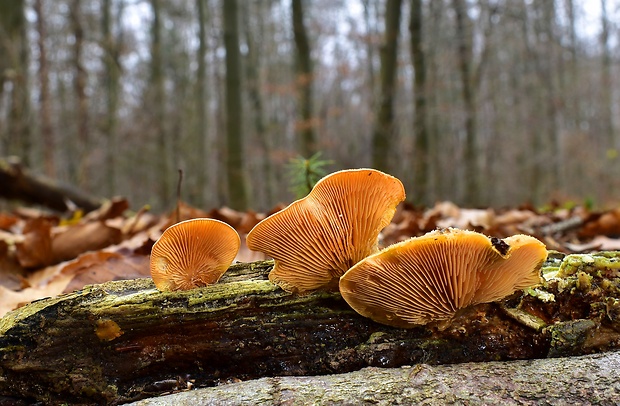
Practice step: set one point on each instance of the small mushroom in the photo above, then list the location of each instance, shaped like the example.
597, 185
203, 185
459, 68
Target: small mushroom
429, 278
318, 238
193, 253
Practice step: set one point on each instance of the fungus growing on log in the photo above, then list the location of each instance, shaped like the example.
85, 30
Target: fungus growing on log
315, 240
429, 278
193, 253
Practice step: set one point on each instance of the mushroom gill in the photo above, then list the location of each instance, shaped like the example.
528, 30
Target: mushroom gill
318, 238
429, 278
193, 253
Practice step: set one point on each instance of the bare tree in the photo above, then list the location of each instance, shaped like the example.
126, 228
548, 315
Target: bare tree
304, 80
254, 36
201, 104
158, 106
606, 82
45, 107
463, 38
385, 127
234, 112
112, 74
14, 70
79, 87
422, 153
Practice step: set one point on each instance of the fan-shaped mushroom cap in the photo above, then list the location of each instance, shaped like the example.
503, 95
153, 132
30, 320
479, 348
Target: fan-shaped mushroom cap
429, 278
193, 253
318, 238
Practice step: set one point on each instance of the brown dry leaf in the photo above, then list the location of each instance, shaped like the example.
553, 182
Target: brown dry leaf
248, 221
408, 226
137, 223
70, 241
7, 221
511, 222
92, 267
103, 266
465, 219
10, 299
112, 208
35, 250
186, 212
32, 213
11, 273
598, 243
601, 224
232, 217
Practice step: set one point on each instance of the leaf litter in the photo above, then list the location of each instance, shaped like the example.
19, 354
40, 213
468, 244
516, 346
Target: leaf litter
43, 254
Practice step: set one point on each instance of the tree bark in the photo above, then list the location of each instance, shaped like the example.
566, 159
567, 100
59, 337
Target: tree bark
254, 37
79, 87
607, 110
384, 126
156, 103
125, 340
14, 52
45, 108
234, 111
540, 381
422, 153
471, 181
304, 80
111, 81
201, 106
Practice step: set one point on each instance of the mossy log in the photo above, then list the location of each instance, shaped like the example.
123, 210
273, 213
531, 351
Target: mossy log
122, 341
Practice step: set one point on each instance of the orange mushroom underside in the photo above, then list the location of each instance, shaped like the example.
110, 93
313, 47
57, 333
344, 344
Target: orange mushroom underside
316, 239
193, 253
429, 278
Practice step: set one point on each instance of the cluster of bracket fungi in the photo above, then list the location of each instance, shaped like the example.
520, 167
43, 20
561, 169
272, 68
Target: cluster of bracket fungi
329, 240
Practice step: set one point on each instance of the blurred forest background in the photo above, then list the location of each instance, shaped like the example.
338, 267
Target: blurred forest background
482, 102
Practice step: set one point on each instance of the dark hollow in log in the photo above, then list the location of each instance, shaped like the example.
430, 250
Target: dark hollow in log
122, 341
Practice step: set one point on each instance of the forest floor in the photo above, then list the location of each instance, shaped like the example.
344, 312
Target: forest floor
44, 254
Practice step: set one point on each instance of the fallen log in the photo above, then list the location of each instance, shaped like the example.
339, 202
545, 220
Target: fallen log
20, 183
589, 379
123, 341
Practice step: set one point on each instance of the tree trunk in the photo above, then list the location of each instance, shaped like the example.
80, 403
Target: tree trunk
607, 109
385, 127
200, 132
370, 24
79, 87
470, 158
156, 104
304, 80
253, 69
422, 154
111, 79
45, 108
125, 340
14, 69
234, 111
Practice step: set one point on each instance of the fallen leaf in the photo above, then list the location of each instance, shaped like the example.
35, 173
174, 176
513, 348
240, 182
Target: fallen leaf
70, 241
35, 250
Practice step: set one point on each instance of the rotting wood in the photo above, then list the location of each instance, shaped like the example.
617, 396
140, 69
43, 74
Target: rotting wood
122, 341
589, 379
19, 183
